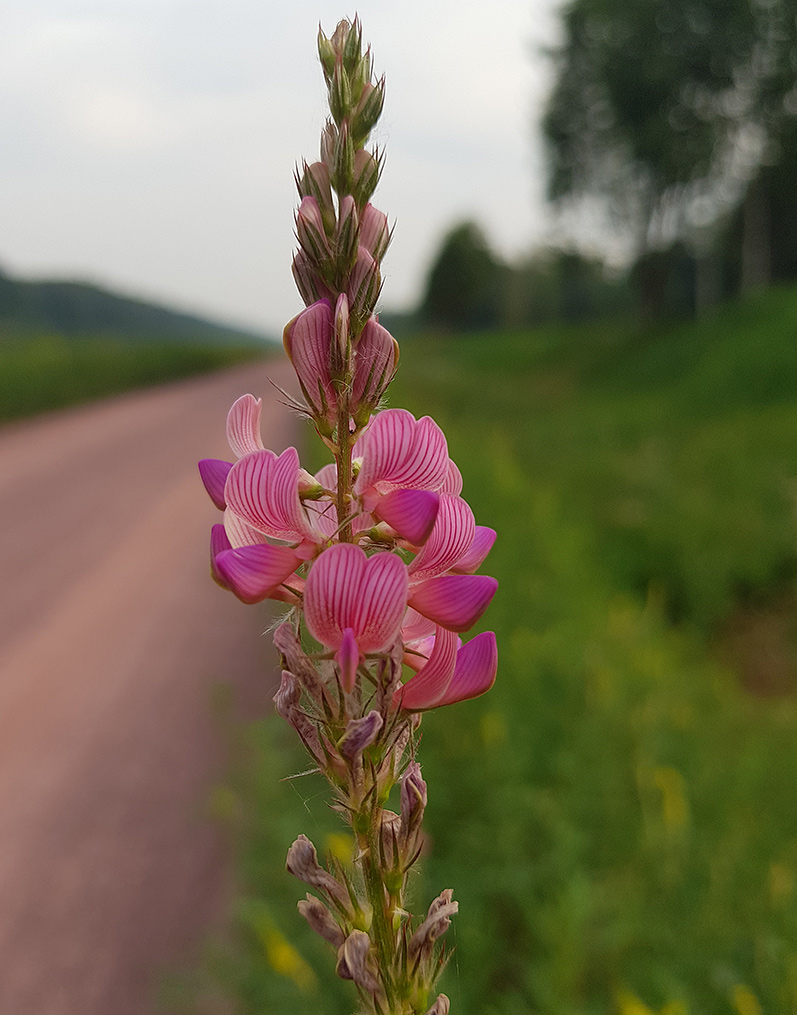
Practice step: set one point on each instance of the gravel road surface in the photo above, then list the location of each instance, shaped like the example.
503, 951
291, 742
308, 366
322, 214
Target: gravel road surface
112, 638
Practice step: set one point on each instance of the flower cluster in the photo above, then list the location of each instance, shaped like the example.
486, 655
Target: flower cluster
376, 555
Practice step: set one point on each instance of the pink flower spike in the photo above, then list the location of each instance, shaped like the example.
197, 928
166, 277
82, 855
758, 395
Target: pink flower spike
479, 548
451, 537
454, 601
213, 473
412, 513
243, 425
475, 671
254, 572
346, 589
263, 489
308, 342
430, 683
348, 658
398, 451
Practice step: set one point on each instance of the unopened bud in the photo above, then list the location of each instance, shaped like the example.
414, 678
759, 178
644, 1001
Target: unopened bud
309, 487
329, 141
366, 176
343, 160
441, 1006
342, 343
353, 961
321, 920
302, 862
326, 54
340, 35
348, 232
413, 801
360, 733
295, 659
437, 922
375, 361
350, 51
314, 182
308, 279
339, 93
363, 289
391, 826
310, 231
374, 232
368, 111
286, 703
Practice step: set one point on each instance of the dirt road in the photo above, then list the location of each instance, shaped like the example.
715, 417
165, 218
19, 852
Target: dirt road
112, 637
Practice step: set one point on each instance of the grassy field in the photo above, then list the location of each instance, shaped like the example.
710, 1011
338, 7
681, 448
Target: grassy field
50, 372
618, 816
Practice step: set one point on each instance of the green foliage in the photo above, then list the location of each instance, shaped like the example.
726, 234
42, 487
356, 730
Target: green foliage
616, 816
50, 372
463, 289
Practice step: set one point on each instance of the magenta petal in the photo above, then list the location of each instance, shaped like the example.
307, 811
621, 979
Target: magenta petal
347, 589
263, 489
431, 682
254, 572
399, 452
243, 425
348, 658
218, 542
415, 626
213, 473
479, 548
475, 671
308, 343
453, 482
454, 601
412, 513
450, 540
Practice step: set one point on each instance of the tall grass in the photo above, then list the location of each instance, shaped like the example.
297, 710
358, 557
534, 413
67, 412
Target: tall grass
617, 817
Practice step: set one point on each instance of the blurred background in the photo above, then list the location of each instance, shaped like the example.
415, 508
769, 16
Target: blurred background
594, 281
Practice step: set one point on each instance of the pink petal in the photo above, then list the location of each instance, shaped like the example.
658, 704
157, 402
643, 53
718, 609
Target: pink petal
374, 364
453, 481
254, 572
243, 425
454, 601
398, 452
213, 473
348, 658
308, 343
475, 671
451, 537
415, 626
479, 548
218, 542
429, 685
328, 476
347, 589
239, 532
263, 489
323, 515
412, 513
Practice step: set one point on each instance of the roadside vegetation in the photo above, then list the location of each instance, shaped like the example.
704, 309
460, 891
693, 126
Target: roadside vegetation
616, 817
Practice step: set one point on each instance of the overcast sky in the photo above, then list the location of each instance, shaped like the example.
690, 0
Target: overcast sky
149, 144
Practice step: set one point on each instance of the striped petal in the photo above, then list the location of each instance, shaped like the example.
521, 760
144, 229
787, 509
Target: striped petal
479, 548
453, 482
346, 589
398, 451
308, 343
374, 365
263, 489
412, 513
218, 543
253, 573
475, 670
430, 683
239, 532
454, 601
451, 537
348, 658
414, 626
243, 425
213, 473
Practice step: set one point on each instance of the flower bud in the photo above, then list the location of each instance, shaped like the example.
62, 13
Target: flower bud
343, 160
295, 660
342, 342
310, 231
314, 182
368, 111
321, 920
367, 170
308, 279
347, 238
286, 703
437, 922
339, 93
329, 140
391, 825
441, 1006
353, 963
374, 232
326, 54
360, 733
352, 44
413, 801
302, 862
363, 289
340, 35
375, 361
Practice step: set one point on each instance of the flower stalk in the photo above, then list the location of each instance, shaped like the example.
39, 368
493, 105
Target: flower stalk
375, 557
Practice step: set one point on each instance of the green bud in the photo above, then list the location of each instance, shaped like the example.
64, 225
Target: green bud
367, 170
326, 54
339, 94
343, 163
368, 111
351, 47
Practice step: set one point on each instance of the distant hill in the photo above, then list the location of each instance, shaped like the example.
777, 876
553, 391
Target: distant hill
82, 309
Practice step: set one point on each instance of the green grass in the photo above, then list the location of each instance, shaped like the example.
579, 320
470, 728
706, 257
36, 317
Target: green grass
617, 817
50, 372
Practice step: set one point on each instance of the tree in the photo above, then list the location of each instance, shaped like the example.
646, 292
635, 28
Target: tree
464, 285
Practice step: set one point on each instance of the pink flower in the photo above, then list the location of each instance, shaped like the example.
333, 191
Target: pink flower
308, 344
451, 673
252, 573
354, 604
